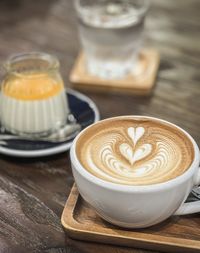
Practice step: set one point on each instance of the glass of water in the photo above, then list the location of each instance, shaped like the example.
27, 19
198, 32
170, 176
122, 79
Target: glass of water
111, 33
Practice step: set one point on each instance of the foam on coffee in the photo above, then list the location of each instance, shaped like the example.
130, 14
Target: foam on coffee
134, 151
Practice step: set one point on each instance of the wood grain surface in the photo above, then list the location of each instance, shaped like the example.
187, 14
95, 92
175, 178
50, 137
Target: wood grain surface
33, 191
141, 84
176, 234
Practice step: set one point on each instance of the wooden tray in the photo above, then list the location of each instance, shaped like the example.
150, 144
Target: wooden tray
141, 84
177, 234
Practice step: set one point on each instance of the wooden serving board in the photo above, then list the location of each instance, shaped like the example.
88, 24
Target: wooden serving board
177, 234
139, 84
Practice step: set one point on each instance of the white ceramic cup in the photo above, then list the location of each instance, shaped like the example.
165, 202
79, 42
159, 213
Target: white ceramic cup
138, 206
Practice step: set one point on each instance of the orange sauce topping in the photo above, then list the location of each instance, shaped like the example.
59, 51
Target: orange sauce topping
32, 86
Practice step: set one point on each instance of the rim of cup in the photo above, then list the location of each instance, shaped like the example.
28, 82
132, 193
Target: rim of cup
10, 63
139, 188
82, 10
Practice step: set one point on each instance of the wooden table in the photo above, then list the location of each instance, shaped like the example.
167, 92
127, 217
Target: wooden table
33, 191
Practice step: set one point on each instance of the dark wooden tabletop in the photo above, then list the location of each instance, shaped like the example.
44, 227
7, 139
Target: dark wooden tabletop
33, 191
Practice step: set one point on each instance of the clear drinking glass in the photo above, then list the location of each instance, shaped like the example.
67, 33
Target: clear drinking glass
111, 33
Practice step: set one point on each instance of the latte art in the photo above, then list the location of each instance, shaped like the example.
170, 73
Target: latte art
128, 152
134, 151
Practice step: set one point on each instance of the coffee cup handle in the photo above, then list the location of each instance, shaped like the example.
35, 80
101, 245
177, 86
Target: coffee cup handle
191, 207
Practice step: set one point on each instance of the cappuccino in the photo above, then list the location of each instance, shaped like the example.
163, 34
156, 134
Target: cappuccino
134, 150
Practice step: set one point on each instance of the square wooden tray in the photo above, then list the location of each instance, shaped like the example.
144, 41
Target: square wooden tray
141, 84
177, 234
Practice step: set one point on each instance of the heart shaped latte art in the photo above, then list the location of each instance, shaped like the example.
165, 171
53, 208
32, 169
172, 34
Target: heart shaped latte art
135, 133
134, 156
127, 152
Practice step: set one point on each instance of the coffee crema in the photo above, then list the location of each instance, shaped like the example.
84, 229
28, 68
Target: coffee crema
134, 151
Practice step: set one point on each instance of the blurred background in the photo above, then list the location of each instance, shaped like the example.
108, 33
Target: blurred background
171, 26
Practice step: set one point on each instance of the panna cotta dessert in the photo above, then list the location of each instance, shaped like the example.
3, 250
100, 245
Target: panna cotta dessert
33, 99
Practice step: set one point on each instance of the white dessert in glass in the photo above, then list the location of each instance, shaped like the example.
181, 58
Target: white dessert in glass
33, 99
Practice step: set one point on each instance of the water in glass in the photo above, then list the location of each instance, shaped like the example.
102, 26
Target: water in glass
111, 35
